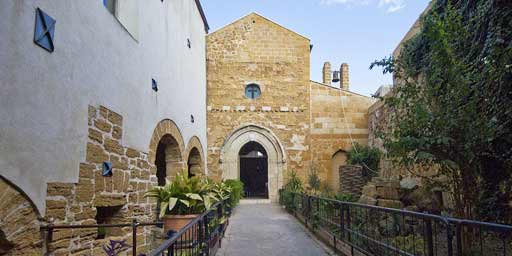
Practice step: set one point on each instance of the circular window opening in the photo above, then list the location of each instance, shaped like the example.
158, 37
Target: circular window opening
252, 91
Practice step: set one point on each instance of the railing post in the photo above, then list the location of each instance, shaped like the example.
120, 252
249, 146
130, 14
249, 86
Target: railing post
449, 238
348, 223
293, 203
308, 208
134, 237
428, 234
171, 250
206, 235
342, 221
459, 239
200, 235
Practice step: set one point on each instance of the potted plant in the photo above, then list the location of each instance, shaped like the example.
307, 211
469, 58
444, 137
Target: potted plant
181, 200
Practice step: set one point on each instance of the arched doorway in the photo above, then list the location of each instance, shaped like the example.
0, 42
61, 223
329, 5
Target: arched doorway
254, 170
268, 141
338, 159
194, 163
168, 159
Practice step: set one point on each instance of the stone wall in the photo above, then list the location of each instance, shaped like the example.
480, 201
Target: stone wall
379, 121
313, 121
78, 203
351, 180
338, 118
257, 50
19, 223
382, 192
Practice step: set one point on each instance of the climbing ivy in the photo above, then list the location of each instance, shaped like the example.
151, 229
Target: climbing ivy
452, 104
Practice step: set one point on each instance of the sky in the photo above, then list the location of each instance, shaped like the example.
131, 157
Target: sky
353, 31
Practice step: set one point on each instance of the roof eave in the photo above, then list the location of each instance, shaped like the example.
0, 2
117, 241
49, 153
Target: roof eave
203, 16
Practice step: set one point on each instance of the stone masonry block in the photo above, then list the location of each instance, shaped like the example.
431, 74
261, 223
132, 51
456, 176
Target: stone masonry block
96, 154
113, 146
102, 125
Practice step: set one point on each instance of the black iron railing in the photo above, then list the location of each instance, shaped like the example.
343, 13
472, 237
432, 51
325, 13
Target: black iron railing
202, 236
120, 245
373, 230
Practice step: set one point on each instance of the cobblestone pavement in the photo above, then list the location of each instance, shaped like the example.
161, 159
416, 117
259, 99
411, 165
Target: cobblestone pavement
266, 230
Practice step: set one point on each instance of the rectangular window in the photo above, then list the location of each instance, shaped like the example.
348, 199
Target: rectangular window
127, 13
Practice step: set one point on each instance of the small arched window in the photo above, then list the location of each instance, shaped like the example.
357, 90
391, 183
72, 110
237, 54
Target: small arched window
252, 91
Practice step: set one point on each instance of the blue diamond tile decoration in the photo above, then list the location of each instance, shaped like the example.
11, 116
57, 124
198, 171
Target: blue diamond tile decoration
44, 30
154, 85
107, 169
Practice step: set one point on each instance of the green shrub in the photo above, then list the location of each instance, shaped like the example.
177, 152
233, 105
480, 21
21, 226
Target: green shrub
314, 181
326, 190
366, 156
237, 188
294, 183
345, 197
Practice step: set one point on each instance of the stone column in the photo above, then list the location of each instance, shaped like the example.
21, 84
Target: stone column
326, 73
344, 81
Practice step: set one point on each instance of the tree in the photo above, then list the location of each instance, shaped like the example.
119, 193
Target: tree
452, 106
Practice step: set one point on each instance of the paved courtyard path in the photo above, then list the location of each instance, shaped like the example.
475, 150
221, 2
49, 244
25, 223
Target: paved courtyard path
266, 230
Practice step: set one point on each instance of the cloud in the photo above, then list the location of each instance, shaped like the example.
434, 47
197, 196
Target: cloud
391, 6
344, 2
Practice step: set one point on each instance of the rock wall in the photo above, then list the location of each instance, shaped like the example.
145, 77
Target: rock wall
123, 190
351, 180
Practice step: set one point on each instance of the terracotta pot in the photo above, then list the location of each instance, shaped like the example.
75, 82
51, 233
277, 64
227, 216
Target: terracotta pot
177, 222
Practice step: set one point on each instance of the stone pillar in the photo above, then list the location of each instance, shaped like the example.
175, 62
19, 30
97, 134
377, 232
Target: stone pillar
351, 179
326, 73
344, 81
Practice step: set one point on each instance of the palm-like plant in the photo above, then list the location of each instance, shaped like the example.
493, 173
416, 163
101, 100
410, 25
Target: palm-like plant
183, 196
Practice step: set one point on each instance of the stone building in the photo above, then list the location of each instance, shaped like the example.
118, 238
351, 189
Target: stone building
266, 117
92, 115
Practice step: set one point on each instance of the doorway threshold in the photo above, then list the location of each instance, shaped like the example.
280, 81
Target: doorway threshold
255, 201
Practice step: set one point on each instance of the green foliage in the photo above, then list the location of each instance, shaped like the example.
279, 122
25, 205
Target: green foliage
326, 190
452, 107
346, 197
294, 183
186, 195
410, 244
366, 156
314, 181
237, 188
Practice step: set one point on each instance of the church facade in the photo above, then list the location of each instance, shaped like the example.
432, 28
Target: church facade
266, 118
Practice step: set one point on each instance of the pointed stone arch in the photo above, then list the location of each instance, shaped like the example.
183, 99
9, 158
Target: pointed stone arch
195, 157
230, 161
338, 159
166, 150
19, 225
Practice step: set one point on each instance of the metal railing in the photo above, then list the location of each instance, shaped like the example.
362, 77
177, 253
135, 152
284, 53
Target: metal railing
202, 236
374, 230
50, 228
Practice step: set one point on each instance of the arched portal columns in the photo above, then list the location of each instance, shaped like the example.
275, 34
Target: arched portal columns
230, 160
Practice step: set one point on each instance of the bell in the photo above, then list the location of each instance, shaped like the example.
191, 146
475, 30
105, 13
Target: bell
336, 76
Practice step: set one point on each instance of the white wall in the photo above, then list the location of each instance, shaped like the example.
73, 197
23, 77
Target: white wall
44, 96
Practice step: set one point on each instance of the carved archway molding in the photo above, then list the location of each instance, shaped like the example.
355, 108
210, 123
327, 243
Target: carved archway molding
230, 160
165, 127
195, 143
20, 220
